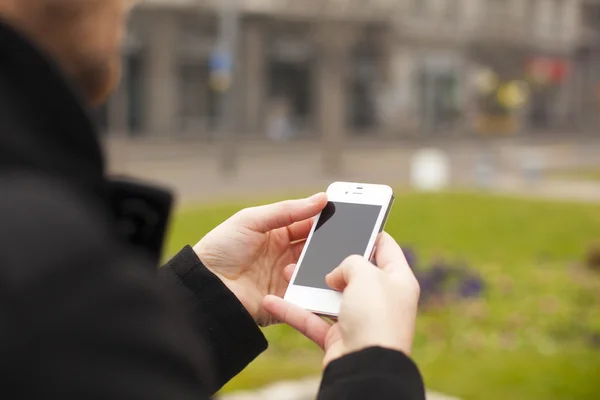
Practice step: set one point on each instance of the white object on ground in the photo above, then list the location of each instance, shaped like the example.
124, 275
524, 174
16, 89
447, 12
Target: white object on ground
484, 171
532, 165
430, 170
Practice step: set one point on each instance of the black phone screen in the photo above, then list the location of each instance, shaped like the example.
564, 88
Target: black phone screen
343, 229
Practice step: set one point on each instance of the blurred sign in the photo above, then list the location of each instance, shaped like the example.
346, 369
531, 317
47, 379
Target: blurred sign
546, 70
220, 65
430, 170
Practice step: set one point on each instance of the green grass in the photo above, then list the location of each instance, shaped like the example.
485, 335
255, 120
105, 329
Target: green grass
526, 339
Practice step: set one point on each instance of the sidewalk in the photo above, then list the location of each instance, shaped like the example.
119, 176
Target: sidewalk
168, 147
191, 168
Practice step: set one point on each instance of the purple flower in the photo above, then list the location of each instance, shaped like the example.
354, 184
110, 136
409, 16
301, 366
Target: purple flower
428, 286
411, 257
471, 287
445, 280
595, 340
439, 272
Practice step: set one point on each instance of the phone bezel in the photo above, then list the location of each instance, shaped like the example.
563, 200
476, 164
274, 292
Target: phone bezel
325, 301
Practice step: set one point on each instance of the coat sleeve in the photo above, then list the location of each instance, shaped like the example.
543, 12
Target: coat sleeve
81, 318
373, 373
232, 334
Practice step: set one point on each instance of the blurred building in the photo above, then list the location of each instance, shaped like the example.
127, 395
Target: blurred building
361, 67
587, 66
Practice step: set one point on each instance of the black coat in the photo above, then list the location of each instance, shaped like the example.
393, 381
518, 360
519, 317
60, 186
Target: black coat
83, 312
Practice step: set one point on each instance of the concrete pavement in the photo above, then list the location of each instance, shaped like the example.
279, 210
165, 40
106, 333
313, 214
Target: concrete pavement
283, 169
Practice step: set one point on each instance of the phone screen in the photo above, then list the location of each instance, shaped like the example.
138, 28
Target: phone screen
343, 229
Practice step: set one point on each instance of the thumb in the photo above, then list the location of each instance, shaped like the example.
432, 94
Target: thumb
350, 268
389, 256
278, 215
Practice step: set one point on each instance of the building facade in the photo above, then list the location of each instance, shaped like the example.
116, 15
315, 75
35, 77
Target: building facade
338, 67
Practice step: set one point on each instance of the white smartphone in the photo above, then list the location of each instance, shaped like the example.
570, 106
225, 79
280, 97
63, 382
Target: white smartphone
355, 214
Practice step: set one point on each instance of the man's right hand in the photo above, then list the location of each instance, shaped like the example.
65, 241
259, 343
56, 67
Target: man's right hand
379, 305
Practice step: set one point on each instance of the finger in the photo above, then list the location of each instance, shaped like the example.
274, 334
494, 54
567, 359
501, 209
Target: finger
274, 216
300, 230
352, 266
305, 322
288, 272
388, 255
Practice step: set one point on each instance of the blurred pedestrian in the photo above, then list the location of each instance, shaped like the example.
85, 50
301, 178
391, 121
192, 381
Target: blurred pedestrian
279, 127
84, 313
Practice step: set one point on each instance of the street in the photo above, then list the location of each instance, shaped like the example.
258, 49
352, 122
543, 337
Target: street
280, 169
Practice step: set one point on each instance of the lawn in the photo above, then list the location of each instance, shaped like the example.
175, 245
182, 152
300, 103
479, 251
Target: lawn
535, 332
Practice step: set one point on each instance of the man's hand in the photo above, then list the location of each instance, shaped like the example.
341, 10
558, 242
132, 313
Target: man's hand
250, 251
379, 305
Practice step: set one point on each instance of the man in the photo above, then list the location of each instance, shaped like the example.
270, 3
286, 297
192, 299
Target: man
83, 312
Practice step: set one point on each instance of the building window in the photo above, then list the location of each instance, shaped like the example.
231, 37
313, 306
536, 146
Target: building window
438, 93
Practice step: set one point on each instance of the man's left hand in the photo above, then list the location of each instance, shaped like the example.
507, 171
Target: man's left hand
250, 251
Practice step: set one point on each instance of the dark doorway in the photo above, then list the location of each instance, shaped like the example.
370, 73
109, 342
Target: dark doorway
438, 99
292, 82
